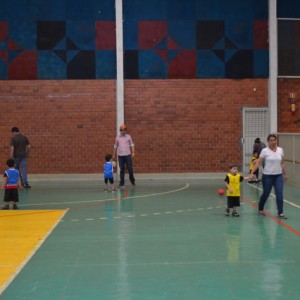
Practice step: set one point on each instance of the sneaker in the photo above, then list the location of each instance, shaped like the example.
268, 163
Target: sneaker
121, 186
235, 214
282, 216
15, 206
5, 207
227, 211
105, 190
261, 213
26, 186
113, 191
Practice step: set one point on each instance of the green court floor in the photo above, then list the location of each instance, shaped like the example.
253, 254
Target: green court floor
164, 239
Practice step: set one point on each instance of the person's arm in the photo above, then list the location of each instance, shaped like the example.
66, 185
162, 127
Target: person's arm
132, 150
256, 166
227, 184
4, 181
11, 154
283, 169
115, 149
27, 149
19, 183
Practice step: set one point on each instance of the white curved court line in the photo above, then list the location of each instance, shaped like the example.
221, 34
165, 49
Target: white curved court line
106, 200
274, 196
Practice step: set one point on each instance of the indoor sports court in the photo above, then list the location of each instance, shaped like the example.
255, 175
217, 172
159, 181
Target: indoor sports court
167, 238
195, 83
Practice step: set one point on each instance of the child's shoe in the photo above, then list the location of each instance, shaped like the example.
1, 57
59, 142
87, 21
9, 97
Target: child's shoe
261, 213
227, 211
105, 190
5, 206
235, 214
15, 206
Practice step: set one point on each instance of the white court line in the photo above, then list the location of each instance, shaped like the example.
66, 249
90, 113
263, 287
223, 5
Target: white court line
186, 263
274, 196
107, 200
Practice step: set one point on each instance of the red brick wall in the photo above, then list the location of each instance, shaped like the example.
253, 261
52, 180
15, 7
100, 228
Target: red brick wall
177, 125
286, 121
70, 124
189, 125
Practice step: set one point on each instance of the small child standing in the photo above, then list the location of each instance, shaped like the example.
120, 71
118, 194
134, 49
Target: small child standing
109, 166
233, 183
11, 182
252, 164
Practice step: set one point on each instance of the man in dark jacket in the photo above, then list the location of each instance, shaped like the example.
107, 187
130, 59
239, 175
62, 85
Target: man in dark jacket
19, 149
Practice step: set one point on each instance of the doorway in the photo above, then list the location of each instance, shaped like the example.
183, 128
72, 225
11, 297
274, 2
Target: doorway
255, 124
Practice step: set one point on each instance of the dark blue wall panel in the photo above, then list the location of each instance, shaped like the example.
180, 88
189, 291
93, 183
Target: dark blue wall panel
67, 39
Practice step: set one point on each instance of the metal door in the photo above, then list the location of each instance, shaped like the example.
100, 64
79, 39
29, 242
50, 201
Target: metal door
255, 124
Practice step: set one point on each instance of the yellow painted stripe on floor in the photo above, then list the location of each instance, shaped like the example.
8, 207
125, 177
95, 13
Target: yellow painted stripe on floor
21, 233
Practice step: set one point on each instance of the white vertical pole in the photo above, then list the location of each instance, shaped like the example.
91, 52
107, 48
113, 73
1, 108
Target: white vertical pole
273, 65
120, 68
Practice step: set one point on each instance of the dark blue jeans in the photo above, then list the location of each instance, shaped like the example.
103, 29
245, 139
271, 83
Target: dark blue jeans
126, 160
269, 181
21, 165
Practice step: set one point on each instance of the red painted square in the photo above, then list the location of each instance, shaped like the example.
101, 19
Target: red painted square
260, 34
3, 30
105, 35
24, 66
151, 33
183, 65
4, 55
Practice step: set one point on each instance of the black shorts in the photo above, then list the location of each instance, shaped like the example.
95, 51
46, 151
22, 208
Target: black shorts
233, 201
11, 195
111, 180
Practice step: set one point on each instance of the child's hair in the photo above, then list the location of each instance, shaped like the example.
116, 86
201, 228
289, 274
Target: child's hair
233, 166
10, 162
108, 157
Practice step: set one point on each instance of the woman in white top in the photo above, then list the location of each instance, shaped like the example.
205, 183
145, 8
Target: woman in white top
274, 174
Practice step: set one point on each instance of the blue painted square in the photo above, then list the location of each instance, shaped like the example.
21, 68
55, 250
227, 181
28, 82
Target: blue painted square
151, 65
209, 65
130, 35
152, 10
104, 10
240, 32
82, 34
261, 64
210, 10
50, 66
90, 10
3, 70
131, 10
181, 10
51, 10
23, 34
183, 33
106, 64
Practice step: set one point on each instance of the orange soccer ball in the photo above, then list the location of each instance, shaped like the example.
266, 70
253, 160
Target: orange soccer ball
221, 192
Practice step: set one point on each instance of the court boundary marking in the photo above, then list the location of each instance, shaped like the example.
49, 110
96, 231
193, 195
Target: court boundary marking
125, 196
31, 254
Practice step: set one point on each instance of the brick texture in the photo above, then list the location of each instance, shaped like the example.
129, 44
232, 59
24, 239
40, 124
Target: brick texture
177, 125
286, 121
